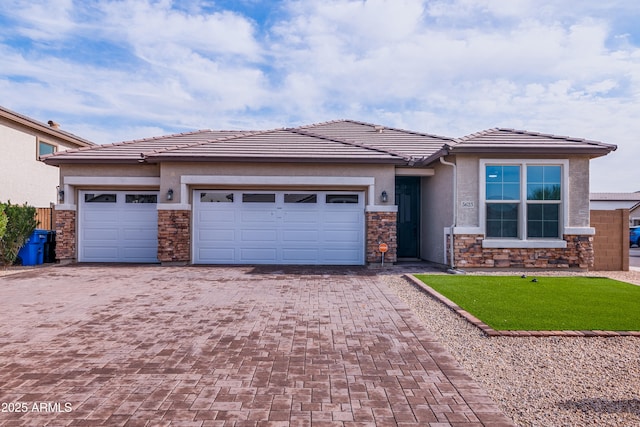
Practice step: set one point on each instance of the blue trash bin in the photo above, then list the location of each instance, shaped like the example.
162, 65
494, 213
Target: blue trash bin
32, 253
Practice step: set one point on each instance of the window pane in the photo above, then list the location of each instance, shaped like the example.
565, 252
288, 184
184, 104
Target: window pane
511, 174
99, 198
215, 197
502, 220
300, 198
141, 198
534, 212
543, 182
543, 220
342, 198
44, 148
511, 192
258, 198
502, 182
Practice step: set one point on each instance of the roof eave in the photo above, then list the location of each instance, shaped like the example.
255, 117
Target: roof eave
593, 152
279, 159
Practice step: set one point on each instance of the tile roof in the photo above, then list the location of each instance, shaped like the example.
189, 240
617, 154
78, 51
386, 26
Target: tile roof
43, 127
521, 141
334, 141
277, 145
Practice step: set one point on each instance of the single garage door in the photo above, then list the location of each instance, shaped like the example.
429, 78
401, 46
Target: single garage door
118, 226
278, 227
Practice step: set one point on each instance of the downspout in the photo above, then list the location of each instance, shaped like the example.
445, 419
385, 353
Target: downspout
455, 213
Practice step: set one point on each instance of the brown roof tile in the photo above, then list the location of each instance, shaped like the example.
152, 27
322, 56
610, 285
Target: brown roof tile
519, 141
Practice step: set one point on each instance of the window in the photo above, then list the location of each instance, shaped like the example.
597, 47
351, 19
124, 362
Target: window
523, 201
99, 198
210, 197
300, 198
341, 198
46, 148
258, 198
141, 198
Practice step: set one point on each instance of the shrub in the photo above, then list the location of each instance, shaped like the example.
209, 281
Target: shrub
3, 221
21, 221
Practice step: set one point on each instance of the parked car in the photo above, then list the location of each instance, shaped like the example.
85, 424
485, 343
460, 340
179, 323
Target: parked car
634, 236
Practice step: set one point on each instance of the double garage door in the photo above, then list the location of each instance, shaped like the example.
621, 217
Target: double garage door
229, 227
278, 227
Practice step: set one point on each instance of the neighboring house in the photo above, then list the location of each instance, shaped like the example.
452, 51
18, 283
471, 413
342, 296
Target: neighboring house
330, 193
25, 178
613, 201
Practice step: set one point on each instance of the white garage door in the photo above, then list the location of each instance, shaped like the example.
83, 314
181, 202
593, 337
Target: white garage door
118, 226
278, 227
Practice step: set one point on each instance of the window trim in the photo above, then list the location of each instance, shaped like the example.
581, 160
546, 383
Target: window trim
522, 241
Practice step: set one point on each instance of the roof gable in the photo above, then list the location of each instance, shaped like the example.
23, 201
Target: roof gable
42, 128
508, 141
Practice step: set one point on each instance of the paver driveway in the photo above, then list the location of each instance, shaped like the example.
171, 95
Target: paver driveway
232, 346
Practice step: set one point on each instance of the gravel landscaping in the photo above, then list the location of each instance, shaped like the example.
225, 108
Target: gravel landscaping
553, 381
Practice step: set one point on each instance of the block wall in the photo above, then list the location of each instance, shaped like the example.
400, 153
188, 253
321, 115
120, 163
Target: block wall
611, 242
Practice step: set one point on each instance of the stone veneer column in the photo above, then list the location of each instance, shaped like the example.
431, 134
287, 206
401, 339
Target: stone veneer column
65, 236
381, 228
174, 236
578, 254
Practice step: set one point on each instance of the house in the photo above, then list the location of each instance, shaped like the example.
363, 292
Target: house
330, 193
26, 178
613, 201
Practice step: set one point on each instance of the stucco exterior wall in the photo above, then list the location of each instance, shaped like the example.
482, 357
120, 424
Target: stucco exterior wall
579, 192
436, 207
384, 175
468, 191
25, 178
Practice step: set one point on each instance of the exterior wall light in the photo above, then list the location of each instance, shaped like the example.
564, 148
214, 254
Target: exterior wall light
170, 194
384, 197
61, 196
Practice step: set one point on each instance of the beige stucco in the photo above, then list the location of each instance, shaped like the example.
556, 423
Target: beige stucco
436, 206
25, 178
384, 175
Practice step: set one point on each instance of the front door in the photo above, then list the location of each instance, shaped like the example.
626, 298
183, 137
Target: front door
408, 225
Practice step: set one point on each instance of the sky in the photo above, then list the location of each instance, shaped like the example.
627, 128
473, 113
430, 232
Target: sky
115, 70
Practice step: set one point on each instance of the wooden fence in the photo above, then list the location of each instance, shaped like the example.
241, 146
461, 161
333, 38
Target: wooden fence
45, 219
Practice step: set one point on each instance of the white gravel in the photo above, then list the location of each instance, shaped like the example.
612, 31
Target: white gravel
555, 381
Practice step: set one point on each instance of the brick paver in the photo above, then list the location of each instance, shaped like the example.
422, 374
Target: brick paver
223, 346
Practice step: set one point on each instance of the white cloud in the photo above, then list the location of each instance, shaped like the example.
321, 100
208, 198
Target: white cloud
449, 67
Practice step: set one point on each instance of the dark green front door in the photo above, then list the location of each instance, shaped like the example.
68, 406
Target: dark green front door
408, 225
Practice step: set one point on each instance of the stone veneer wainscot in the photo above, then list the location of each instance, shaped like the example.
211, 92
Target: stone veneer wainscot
381, 228
65, 236
174, 236
469, 253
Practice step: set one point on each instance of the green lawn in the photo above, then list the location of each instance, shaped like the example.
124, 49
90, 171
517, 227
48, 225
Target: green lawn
551, 303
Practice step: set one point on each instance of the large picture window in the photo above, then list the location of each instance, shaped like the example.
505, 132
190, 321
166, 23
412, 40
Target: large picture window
523, 201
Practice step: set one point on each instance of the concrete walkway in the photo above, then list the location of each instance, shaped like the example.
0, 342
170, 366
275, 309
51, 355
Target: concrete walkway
223, 346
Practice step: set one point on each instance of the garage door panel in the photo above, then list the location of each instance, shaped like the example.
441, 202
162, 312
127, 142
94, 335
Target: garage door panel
222, 255
300, 235
341, 236
103, 252
258, 255
279, 227
300, 256
258, 235
217, 235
